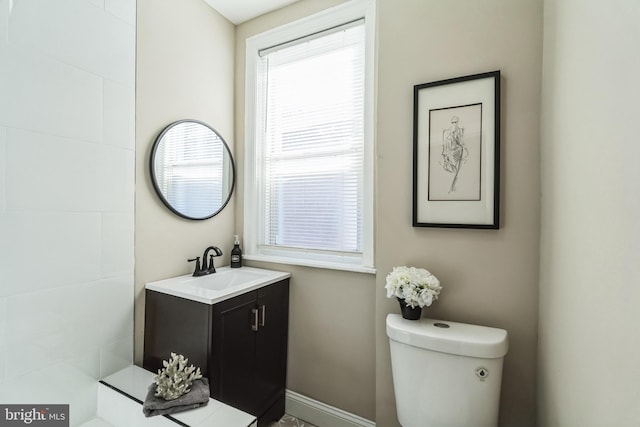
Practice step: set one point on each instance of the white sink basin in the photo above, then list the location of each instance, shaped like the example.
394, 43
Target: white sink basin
224, 279
225, 283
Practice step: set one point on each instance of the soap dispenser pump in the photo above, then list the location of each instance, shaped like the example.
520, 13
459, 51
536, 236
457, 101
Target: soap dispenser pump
236, 253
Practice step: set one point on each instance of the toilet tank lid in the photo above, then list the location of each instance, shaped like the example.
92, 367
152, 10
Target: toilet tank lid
454, 338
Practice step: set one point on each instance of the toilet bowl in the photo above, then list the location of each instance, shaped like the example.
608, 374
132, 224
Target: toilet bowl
446, 374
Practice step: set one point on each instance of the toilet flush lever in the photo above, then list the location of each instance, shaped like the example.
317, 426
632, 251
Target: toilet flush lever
482, 373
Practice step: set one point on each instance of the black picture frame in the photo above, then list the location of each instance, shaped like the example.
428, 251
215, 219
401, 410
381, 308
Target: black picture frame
456, 152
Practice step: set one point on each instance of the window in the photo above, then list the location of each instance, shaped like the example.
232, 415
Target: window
308, 164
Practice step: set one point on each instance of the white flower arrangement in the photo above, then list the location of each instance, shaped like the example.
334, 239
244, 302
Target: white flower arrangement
417, 286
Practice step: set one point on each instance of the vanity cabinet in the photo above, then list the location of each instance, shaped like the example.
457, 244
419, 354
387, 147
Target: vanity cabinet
240, 344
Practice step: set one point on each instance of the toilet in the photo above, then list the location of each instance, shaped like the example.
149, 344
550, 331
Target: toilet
446, 374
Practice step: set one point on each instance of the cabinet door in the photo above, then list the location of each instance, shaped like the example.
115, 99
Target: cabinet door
175, 325
271, 345
233, 367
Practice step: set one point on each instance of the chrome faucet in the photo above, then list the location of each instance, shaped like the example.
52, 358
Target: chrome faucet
206, 269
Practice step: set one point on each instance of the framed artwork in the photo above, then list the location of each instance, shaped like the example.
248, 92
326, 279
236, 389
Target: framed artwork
456, 152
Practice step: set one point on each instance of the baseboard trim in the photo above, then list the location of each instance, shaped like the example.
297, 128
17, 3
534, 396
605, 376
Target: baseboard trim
321, 414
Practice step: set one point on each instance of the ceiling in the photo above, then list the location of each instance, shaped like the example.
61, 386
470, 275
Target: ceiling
239, 11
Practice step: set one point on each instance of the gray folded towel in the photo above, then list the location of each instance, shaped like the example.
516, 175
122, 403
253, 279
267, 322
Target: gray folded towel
197, 397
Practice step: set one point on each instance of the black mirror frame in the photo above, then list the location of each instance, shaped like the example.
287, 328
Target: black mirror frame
153, 175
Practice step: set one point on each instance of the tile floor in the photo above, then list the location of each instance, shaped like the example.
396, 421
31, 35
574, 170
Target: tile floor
289, 421
286, 421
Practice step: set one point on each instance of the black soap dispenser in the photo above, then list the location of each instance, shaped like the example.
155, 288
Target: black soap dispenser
236, 253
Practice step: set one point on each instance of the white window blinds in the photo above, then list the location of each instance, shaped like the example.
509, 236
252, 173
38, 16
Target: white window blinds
311, 141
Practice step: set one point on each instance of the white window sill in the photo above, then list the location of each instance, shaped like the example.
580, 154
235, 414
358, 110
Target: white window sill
311, 263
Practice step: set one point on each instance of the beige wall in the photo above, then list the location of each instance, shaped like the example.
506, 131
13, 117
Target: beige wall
489, 277
331, 336
589, 374
338, 346
184, 70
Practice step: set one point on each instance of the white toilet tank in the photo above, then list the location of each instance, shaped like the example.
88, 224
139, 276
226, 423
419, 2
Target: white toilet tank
446, 374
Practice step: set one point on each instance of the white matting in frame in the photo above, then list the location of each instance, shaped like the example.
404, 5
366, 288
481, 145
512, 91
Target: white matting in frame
456, 167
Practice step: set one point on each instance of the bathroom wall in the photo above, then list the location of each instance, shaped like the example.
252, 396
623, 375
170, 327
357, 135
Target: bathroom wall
66, 198
331, 325
489, 277
590, 242
184, 70
339, 351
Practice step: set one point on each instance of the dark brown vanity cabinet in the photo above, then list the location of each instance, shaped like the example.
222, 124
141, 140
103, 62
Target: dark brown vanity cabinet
240, 344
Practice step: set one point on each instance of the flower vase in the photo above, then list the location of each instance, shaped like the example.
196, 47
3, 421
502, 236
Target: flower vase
408, 312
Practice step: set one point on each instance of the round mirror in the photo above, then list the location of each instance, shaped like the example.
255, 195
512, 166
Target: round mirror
192, 169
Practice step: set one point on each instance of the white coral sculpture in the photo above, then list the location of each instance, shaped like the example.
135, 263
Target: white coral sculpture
175, 379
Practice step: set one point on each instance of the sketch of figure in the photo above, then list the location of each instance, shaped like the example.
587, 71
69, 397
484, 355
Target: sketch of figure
454, 151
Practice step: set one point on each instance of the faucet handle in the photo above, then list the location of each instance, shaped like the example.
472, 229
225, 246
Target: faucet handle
211, 268
197, 260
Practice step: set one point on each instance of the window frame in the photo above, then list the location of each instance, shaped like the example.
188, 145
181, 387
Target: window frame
314, 24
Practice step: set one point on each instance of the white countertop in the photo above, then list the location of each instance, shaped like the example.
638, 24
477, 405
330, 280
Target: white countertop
226, 283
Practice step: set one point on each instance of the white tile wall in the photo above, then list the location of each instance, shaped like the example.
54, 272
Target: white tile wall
48, 96
81, 35
96, 422
97, 3
72, 325
4, 30
3, 376
109, 299
67, 120
116, 355
51, 182
3, 311
119, 113
4, 22
49, 250
60, 383
3, 302
3, 167
123, 9
117, 244
116, 180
